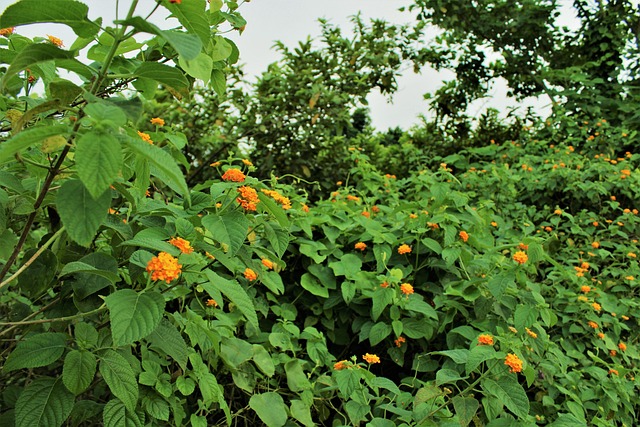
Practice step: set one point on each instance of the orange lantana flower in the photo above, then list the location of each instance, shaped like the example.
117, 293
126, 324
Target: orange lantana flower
371, 358
6, 32
157, 121
622, 346
212, 303
249, 274
234, 175
360, 246
404, 249
145, 137
267, 263
520, 257
248, 198
399, 341
406, 289
343, 364
55, 41
182, 244
485, 339
464, 236
164, 267
513, 362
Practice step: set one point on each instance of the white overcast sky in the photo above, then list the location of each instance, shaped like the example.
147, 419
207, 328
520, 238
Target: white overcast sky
291, 21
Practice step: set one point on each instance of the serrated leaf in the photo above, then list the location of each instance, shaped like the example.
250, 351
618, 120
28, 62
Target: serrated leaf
134, 315
156, 406
168, 76
27, 138
68, 12
479, 354
80, 213
235, 293
193, 16
378, 333
36, 351
381, 299
120, 378
188, 46
167, 338
466, 408
185, 385
510, 393
115, 414
230, 229
34, 54
498, 284
44, 403
162, 165
270, 408
269, 206
309, 283
81, 267
78, 370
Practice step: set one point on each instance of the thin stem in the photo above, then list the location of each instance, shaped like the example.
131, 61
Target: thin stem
35, 313
57, 319
33, 258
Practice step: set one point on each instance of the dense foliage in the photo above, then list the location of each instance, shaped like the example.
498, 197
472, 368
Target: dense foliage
151, 279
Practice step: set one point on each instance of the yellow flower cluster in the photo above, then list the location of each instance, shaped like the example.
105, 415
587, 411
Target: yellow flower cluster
371, 358
284, 201
182, 244
404, 249
520, 257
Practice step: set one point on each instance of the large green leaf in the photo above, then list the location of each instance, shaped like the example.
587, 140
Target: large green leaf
231, 229
162, 164
379, 332
168, 76
134, 315
312, 285
510, 393
192, 15
199, 67
116, 414
188, 46
36, 351
235, 293
69, 12
167, 338
466, 408
270, 408
78, 370
81, 267
302, 412
120, 378
98, 160
27, 138
34, 54
80, 213
44, 403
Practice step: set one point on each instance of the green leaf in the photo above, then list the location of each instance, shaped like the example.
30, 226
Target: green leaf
479, 354
27, 138
78, 370
219, 82
199, 67
272, 281
188, 46
268, 205
524, 316
105, 112
167, 338
33, 54
312, 285
263, 360
86, 335
270, 408
302, 412
36, 351
382, 253
156, 406
348, 266
296, 378
510, 393
153, 238
235, 293
44, 403
466, 408
459, 356
432, 244
134, 315
81, 267
192, 15
498, 284
347, 380
235, 351
68, 12
448, 376
378, 333
162, 164
231, 229
185, 385
168, 76
80, 213
221, 49
116, 414
120, 378
278, 237
380, 299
